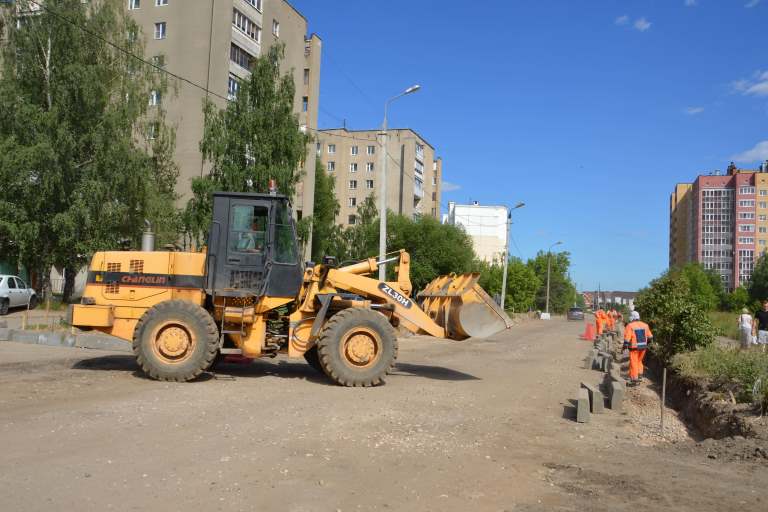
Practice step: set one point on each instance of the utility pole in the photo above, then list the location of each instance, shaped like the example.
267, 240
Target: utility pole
506, 255
549, 264
383, 186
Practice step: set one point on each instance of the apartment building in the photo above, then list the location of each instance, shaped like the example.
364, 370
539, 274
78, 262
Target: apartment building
486, 226
721, 221
213, 43
353, 158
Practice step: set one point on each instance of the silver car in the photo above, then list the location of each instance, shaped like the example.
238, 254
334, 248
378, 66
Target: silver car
15, 293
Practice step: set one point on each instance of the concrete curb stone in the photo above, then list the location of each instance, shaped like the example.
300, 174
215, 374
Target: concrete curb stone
596, 399
582, 406
617, 396
64, 339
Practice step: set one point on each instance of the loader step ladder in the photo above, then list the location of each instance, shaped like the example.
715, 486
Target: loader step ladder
239, 311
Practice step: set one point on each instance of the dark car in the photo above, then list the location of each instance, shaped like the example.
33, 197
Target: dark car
575, 314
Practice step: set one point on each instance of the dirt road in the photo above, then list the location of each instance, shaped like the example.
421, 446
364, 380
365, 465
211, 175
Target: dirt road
460, 426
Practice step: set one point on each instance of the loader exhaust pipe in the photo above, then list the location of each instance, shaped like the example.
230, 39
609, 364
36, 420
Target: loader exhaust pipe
147, 237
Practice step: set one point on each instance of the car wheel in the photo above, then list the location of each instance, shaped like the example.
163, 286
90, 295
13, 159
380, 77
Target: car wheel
3, 307
33, 302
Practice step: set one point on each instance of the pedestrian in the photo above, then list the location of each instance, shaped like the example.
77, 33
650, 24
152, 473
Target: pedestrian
637, 336
760, 326
745, 328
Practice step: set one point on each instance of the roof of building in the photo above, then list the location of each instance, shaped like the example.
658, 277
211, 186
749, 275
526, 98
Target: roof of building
376, 130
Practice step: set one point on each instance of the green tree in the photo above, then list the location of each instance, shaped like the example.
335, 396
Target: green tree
324, 228
758, 284
255, 138
522, 283
83, 158
737, 299
562, 293
703, 289
678, 320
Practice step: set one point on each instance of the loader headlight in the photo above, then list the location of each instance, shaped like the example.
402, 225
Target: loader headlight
88, 301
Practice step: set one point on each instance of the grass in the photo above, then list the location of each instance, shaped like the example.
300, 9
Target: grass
728, 369
725, 323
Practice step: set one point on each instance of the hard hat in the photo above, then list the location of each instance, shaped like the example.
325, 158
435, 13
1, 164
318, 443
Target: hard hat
634, 316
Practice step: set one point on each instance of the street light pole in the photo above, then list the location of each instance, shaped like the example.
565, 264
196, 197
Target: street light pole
506, 255
383, 185
549, 265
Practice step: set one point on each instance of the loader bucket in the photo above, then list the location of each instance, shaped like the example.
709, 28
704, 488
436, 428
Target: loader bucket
462, 307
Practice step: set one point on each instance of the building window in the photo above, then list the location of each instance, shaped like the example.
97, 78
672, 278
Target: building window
255, 3
747, 190
158, 60
319, 149
154, 98
331, 166
761, 242
434, 212
746, 215
246, 25
352, 220
762, 229
434, 181
353, 150
763, 204
331, 149
747, 203
434, 196
240, 57
304, 103
371, 150
747, 228
306, 76
352, 201
134, 4
419, 151
232, 87
275, 28
369, 167
352, 184
153, 129
160, 3
160, 30
369, 184
353, 167
764, 192
744, 240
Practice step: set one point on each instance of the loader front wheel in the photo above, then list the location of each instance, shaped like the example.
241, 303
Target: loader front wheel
357, 347
175, 340
313, 359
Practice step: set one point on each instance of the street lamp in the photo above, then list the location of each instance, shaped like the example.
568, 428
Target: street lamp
549, 261
383, 185
506, 255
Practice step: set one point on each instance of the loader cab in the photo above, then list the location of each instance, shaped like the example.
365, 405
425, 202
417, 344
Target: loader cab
252, 249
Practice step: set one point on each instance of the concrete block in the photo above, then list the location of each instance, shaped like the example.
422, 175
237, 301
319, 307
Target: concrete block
617, 396
606, 364
589, 360
596, 399
615, 374
597, 363
582, 406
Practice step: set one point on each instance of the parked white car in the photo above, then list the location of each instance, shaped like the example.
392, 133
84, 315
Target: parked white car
14, 293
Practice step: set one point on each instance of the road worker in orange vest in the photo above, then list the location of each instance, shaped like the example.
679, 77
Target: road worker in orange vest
600, 317
611, 319
637, 336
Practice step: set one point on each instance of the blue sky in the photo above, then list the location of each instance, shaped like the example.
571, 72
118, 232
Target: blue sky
588, 111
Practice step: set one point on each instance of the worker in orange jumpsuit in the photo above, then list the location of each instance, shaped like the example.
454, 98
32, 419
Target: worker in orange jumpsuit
599, 321
637, 336
611, 320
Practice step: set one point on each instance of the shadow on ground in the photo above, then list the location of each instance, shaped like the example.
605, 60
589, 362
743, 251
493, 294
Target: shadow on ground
431, 372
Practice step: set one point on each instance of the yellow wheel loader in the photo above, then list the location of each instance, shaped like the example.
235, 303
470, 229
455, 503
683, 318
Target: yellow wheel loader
248, 294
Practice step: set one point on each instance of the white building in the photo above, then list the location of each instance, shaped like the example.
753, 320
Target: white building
487, 225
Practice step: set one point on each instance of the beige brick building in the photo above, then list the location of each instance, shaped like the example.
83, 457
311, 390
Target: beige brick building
353, 158
212, 43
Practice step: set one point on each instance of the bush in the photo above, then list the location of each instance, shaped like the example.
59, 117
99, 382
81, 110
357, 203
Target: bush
678, 320
729, 370
725, 324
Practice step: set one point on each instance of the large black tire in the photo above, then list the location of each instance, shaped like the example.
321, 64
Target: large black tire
3, 307
357, 347
175, 340
33, 302
313, 359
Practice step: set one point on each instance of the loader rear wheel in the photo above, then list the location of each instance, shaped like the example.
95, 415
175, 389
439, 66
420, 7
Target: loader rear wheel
175, 340
357, 347
313, 359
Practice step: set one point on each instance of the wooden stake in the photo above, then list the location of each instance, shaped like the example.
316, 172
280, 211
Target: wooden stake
663, 397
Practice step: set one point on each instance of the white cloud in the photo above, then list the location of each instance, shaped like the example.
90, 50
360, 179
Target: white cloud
758, 86
449, 187
692, 111
751, 4
690, 3
642, 24
758, 153
622, 20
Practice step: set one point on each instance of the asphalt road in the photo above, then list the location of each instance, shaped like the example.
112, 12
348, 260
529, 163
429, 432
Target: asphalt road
476, 425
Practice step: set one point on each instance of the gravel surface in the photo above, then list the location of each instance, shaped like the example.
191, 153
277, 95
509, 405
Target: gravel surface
474, 425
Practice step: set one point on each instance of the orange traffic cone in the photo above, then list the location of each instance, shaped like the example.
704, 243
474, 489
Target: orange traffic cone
589, 332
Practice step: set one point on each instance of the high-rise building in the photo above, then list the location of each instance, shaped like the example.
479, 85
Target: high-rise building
721, 221
213, 44
353, 158
486, 225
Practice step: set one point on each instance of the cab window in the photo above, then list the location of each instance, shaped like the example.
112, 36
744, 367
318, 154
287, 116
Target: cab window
248, 229
286, 251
